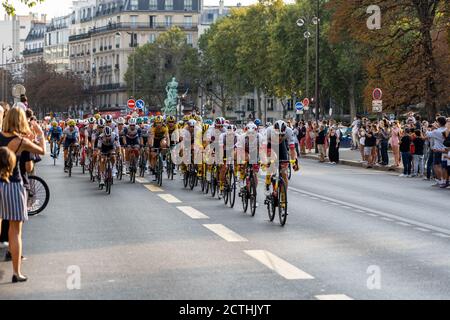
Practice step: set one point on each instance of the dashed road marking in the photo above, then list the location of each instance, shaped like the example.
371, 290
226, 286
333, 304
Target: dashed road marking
142, 180
372, 215
387, 219
225, 233
153, 188
280, 266
169, 198
192, 213
333, 297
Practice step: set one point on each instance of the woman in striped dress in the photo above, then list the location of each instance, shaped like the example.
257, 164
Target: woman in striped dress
13, 200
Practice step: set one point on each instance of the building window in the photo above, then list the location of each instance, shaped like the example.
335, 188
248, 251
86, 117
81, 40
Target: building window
152, 4
189, 38
188, 21
152, 20
269, 103
210, 16
168, 21
134, 4
169, 5
250, 104
188, 4
133, 20
151, 38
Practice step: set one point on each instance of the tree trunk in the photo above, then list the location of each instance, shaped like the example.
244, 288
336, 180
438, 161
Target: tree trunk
351, 97
430, 81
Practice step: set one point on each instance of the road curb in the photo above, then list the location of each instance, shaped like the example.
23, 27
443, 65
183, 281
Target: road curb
355, 164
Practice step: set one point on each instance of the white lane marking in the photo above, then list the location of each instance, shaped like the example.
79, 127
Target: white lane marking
192, 213
142, 180
325, 201
403, 224
333, 297
225, 233
153, 188
389, 215
387, 219
280, 266
345, 207
372, 215
441, 235
422, 229
360, 211
169, 198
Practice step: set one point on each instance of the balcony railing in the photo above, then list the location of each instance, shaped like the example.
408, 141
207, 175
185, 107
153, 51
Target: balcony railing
32, 51
80, 37
110, 86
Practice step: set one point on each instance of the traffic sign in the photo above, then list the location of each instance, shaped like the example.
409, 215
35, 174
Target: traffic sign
131, 104
377, 106
306, 102
299, 106
140, 104
377, 94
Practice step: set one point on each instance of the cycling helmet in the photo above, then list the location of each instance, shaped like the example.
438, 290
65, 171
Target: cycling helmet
219, 121
159, 120
101, 123
97, 116
108, 118
208, 122
268, 124
186, 118
120, 121
258, 122
205, 127
108, 132
171, 119
192, 123
281, 126
71, 123
145, 119
198, 118
139, 120
132, 122
54, 124
91, 120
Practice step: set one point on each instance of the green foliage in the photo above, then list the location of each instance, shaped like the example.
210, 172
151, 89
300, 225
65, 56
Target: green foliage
11, 9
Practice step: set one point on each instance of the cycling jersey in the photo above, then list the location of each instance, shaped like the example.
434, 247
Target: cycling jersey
108, 144
132, 136
284, 144
145, 133
159, 134
71, 136
55, 133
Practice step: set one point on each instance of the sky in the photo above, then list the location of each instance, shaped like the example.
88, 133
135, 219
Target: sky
55, 8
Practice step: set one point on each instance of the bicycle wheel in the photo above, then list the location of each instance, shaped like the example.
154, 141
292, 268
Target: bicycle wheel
232, 190
38, 195
245, 198
160, 170
192, 177
119, 169
226, 189
214, 183
70, 163
253, 195
282, 202
290, 172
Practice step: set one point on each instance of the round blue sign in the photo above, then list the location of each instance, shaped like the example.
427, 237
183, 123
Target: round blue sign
299, 106
140, 104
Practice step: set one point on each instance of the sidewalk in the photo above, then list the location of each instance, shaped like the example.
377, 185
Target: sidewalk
353, 158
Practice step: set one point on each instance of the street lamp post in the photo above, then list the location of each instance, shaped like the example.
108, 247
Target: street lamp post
4, 77
307, 21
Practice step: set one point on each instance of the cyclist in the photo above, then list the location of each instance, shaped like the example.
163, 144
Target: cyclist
121, 132
132, 140
145, 134
248, 149
159, 139
281, 138
101, 123
110, 123
54, 136
108, 142
71, 137
227, 143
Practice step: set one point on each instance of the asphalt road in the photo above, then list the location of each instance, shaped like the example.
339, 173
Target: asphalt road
351, 234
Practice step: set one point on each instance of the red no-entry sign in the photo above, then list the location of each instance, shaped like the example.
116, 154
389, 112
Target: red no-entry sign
377, 94
131, 104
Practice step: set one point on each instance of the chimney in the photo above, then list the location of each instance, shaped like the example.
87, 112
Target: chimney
220, 7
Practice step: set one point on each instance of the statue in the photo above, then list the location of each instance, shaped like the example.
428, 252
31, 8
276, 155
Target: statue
170, 103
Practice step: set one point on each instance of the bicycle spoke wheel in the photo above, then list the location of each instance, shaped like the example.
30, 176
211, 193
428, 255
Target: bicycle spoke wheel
245, 199
38, 195
282, 202
232, 190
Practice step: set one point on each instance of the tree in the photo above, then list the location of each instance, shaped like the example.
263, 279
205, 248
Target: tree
48, 90
401, 56
169, 56
11, 8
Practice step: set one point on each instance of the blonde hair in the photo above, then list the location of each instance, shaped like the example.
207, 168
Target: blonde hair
7, 163
15, 122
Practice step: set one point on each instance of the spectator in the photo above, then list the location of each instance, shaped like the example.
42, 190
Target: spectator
333, 153
438, 138
310, 136
320, 142
418, 154
13, 205
395, 142
302, 136
24, 100
384, 134
362, 142
370, 147
405, 149
428, 152
356, 125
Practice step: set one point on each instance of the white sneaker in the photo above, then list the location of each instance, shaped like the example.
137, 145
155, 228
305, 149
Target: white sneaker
402, 175
4, 245
114, 172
